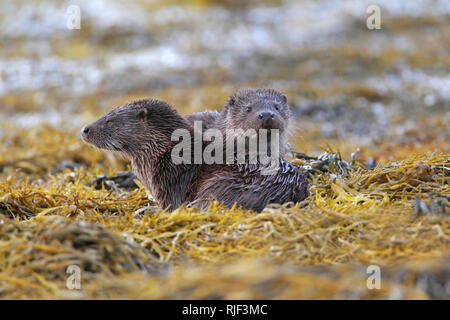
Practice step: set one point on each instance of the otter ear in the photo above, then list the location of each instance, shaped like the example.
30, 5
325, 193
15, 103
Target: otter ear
284, 98
231, 101
142, 114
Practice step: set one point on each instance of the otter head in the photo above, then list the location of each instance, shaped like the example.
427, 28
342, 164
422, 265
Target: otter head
137, 127
258, 109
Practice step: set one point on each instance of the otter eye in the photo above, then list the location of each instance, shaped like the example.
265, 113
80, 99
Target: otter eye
249, 109
276, 107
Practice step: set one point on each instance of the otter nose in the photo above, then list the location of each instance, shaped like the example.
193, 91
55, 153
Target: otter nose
85, 129
266, 116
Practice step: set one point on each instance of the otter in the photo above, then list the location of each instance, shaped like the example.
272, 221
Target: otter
251, 109
142, 130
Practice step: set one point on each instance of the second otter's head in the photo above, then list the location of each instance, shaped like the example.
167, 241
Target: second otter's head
139, 126
257, 109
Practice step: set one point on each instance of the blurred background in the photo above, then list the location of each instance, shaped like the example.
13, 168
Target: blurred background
385, 92
378, 90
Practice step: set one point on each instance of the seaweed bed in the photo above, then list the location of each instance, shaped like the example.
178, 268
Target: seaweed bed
394, 215
371, 125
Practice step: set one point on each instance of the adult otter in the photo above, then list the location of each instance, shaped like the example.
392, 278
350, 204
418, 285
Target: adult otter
142, 130
250, 109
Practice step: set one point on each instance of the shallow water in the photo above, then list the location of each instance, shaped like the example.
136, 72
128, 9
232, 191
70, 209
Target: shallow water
145, 45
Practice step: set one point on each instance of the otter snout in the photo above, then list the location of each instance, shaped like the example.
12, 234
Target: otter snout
85, 129
266, 118
87, 133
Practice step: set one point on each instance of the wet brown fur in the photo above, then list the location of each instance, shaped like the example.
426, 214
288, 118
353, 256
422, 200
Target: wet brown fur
241, 112
142, 131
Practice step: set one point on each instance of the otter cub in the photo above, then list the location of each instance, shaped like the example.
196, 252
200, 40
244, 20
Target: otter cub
142, 130
251, 109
